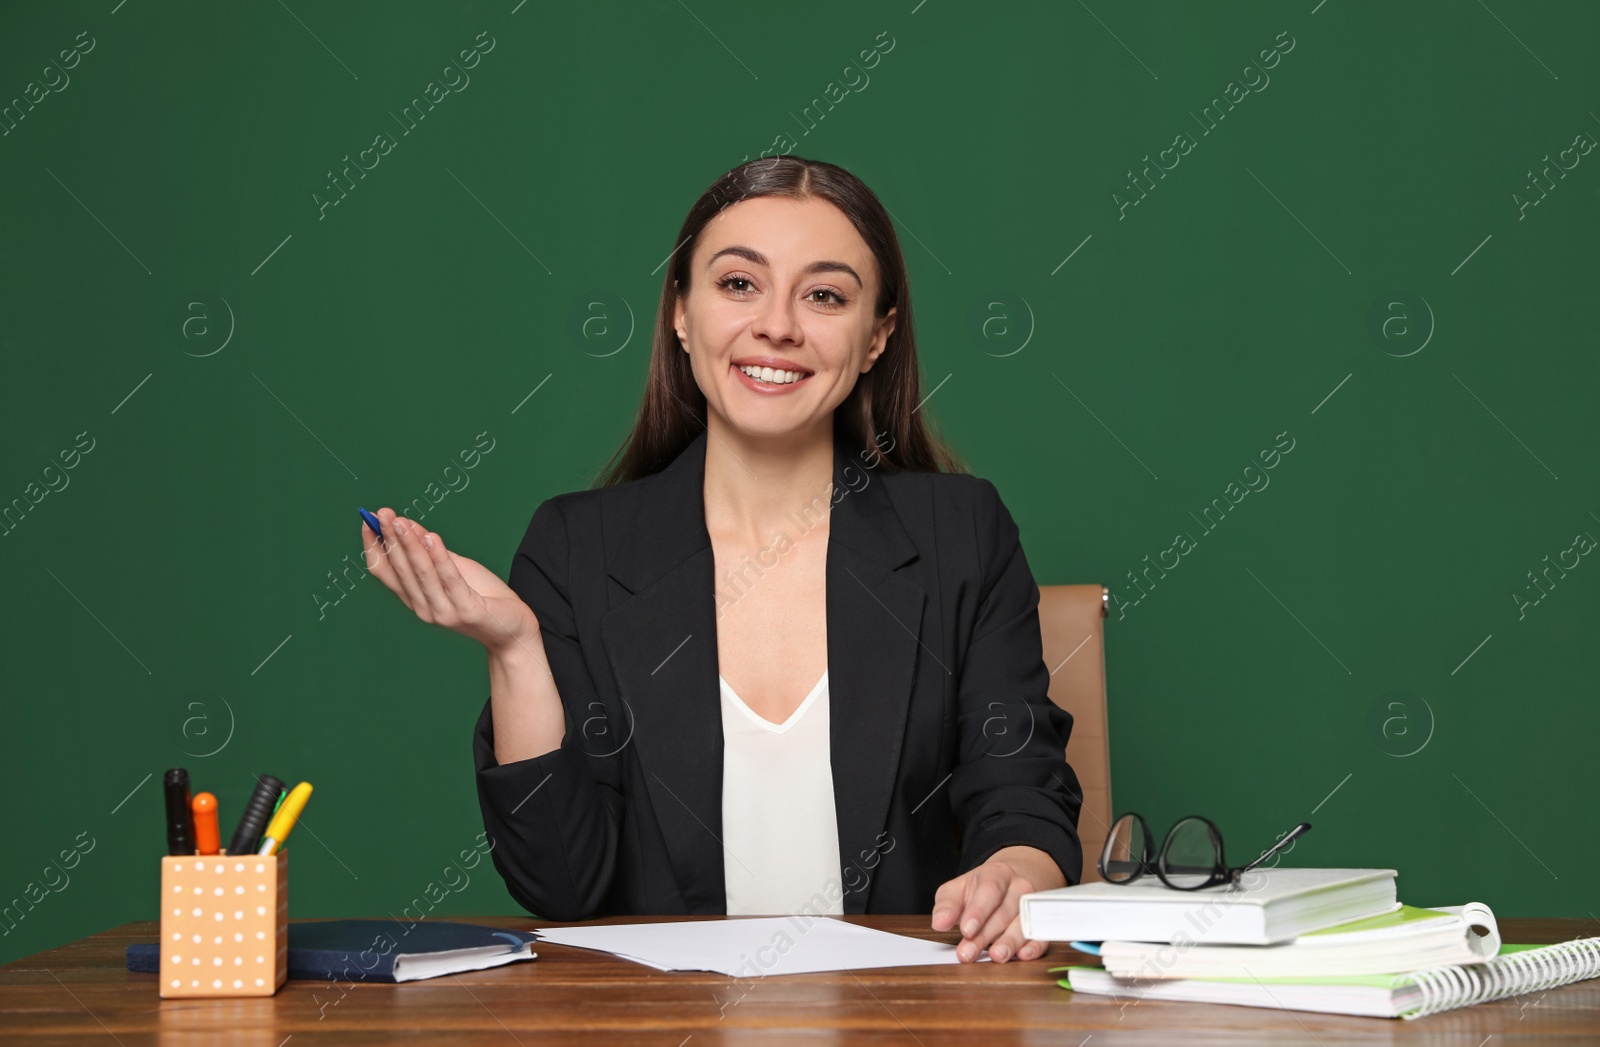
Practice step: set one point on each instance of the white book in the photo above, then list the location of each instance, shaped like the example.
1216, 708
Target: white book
1267, 906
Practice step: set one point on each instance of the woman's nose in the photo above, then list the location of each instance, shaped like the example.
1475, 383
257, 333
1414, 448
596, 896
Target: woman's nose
776, 320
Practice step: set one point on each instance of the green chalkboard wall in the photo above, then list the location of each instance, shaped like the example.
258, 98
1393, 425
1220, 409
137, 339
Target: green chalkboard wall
1275, 318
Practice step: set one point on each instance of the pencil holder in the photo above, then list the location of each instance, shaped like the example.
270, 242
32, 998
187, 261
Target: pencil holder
224, 924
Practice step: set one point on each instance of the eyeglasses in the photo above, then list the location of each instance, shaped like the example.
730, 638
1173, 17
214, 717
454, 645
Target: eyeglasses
1190, 857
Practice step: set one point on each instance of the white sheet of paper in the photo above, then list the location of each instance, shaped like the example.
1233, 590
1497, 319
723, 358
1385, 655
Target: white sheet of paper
753, 947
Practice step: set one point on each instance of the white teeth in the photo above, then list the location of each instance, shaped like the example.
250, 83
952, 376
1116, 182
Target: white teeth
772, 376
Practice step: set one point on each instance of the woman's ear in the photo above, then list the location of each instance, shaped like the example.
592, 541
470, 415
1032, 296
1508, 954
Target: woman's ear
880, 340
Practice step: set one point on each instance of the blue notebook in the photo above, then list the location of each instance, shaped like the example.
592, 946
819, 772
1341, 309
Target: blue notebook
381, 950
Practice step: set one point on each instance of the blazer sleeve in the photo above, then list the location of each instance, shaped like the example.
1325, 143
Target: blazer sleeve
553, 823
1012, 784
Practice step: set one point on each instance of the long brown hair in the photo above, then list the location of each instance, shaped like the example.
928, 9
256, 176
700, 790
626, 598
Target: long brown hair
880, 415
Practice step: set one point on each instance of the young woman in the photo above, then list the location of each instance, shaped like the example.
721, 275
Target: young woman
786, 657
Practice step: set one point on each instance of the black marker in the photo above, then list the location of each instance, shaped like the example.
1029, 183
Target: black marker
180, 819
247, 837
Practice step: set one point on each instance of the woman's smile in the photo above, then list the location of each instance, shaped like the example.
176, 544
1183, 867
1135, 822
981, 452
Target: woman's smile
768, 380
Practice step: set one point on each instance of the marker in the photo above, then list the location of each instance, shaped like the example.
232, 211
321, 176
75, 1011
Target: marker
372, 522
284, 820
247, 837
206, 839
180, 820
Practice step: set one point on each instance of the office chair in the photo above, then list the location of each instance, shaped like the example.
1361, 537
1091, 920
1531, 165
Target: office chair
1072, 627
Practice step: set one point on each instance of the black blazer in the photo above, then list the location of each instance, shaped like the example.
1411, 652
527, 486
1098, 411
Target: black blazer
944, 746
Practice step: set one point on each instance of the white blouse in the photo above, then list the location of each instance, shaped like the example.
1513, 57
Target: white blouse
780, 835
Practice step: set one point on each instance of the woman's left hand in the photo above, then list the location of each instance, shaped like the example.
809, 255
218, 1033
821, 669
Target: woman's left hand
983, 903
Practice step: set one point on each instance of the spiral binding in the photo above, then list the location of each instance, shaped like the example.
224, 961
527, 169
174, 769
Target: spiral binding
1446, 988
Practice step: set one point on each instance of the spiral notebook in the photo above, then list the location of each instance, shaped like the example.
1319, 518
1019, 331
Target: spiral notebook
1516, 970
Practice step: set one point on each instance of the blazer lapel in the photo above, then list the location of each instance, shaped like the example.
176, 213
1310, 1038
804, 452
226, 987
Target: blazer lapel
874, 638
661, 643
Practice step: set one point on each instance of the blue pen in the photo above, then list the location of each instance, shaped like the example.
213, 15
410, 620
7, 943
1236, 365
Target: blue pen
372, 522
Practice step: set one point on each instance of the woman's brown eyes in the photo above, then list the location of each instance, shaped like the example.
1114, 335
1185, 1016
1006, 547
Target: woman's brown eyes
727, 283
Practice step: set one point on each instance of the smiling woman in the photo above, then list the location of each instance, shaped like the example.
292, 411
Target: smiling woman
845, 302
647, 751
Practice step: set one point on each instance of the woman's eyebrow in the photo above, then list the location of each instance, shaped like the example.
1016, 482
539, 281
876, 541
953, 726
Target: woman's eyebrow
755, 257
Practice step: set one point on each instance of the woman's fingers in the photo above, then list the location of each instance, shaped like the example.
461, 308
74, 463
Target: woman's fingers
440, 609
1008, 943
453, 585
466, 602
1002, 933
389, 547
984, 905
379, 557
949, 900
1031, 950
403, 562
987, 893
445, 589
401, 557
966, 904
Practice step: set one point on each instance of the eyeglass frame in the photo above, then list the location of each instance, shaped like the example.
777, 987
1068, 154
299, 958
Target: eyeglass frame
1221, 872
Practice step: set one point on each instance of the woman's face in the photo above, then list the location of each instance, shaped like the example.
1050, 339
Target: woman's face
788, 285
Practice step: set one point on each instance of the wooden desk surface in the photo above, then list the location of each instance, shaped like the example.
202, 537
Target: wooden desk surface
82, 993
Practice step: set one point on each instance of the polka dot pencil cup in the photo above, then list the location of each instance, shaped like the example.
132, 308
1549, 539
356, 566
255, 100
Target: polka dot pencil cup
224, 924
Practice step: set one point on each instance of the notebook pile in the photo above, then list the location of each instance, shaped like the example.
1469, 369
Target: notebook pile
1330, 940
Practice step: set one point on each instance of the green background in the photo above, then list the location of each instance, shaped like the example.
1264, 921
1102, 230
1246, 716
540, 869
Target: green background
163, 609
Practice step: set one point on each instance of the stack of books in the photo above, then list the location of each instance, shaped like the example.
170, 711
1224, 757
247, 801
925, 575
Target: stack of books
1331, 940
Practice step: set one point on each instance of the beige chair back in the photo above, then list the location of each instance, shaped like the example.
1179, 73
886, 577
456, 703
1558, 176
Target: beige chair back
1072, 627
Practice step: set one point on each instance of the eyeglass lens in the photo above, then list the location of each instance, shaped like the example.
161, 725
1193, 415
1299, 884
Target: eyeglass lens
1191, 857
1125, 855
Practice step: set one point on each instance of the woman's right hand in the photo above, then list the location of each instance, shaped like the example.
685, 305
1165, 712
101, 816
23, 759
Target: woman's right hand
446, 589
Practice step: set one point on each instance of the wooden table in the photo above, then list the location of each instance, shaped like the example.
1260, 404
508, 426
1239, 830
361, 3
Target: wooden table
82, 993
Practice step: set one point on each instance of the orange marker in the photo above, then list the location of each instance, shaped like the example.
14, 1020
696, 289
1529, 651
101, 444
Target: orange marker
206, 838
